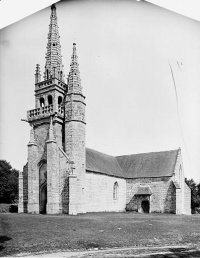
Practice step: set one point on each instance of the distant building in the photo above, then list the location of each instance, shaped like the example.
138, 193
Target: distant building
63, 176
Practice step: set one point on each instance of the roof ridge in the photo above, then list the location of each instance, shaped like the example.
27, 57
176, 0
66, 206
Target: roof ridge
132, 153
101, 152
147, 153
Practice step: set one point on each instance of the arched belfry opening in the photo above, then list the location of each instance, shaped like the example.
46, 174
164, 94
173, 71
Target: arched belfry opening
43, 187
42, 102
50, 100
59, 100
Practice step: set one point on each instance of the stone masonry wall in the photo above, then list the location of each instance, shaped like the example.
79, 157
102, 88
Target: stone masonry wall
36, 153
99, 193
41, 136
33, 179
187, 200
41, 133
53, 193
58, 134
75, 149
64, 171
163, 198
183, 193
25, 187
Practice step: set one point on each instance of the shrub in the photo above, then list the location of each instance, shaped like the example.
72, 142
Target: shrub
8, 183
6, 208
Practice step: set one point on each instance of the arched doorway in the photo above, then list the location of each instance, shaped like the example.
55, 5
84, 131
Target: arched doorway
43, 199
145, 206
43, 187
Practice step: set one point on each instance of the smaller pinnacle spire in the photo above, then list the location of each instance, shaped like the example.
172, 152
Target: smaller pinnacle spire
74, 81
53, 6
37, 74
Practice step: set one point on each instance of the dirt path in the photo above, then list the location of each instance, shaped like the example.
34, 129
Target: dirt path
158, 252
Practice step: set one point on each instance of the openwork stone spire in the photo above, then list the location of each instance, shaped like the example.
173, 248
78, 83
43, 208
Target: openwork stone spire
74, 81
53, 67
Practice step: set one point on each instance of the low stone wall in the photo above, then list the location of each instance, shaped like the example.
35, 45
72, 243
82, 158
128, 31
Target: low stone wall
99, 193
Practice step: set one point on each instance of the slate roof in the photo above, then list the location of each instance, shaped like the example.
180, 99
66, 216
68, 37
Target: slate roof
154, 164
144, 190
102, 163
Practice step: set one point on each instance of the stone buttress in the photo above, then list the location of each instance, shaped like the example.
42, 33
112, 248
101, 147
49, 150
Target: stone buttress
183, 193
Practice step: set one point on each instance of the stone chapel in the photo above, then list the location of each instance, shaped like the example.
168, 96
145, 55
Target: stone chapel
63, 176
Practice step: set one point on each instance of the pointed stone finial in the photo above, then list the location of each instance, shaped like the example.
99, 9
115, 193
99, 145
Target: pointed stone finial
37, 74
32, 137
53, 66
74, 81
74, 51
51, 134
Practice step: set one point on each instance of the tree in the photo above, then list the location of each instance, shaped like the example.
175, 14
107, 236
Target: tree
8, 183
195, 194
198, 190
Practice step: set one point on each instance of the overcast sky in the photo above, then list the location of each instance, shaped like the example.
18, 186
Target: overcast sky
124, 49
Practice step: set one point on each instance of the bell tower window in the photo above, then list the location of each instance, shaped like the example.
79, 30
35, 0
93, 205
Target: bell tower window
50, 100
59, 100
42, 102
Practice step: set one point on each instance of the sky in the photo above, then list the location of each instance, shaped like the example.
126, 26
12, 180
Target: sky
188, 8
135, 102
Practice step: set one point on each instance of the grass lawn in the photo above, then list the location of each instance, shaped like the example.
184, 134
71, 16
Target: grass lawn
32, 233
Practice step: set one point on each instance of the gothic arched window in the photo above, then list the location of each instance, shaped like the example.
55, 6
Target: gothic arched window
50, 100
42, 102
43, 187
59, 100
115, 191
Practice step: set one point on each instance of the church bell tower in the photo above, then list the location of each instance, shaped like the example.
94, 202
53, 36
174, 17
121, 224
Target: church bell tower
56, 150
75, 128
